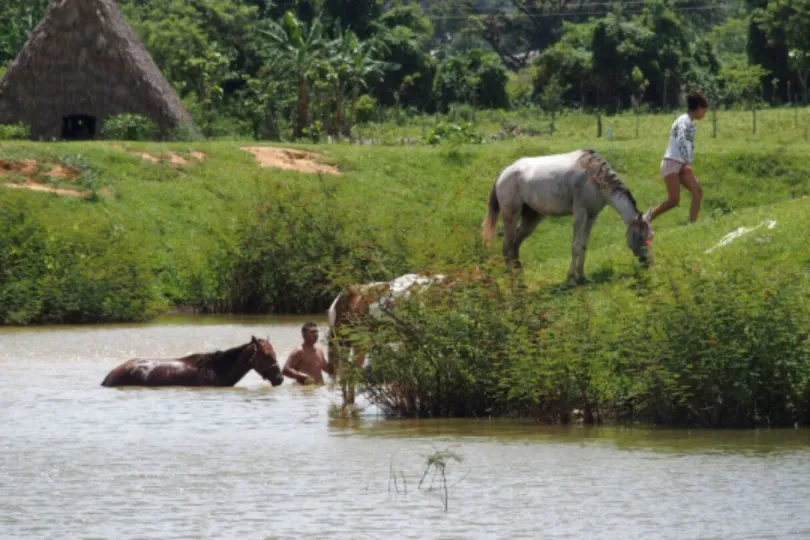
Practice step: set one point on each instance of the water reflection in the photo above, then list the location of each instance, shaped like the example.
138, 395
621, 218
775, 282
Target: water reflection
619, 437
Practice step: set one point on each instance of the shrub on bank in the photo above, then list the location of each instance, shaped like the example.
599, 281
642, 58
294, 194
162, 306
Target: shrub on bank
81, 272
297, 247
718, 349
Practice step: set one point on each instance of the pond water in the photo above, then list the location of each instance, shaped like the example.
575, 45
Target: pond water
81, 461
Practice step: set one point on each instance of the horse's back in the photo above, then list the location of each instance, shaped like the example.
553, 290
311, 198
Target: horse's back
152, 372
546, 183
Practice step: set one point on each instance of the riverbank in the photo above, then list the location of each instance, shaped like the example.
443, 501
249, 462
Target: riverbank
204, 225
713, 335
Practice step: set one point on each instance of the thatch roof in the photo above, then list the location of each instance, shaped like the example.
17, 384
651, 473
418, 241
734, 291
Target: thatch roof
84, 59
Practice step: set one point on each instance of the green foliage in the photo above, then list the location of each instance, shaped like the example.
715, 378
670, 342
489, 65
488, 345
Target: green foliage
14, 131
129, 127
293, 249
403, 33
454, 133
87, 271
520, 87
719, 348
20, 17
366, 110
297, 68
742, 82
476, 77
357, 15
787, 22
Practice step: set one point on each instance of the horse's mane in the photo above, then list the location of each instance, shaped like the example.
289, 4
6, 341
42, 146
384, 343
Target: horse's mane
602, 174
219, 359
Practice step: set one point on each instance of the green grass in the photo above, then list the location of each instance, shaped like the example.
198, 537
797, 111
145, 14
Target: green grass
394, 208
774, 125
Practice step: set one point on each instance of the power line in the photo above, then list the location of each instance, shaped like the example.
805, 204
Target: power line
611, 3
570, 13
608, 3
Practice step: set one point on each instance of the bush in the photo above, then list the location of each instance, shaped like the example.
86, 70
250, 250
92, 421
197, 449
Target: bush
454, 133
728, 349
14, 131
366, 109
89, 271
296, 251
129, 127
475, 77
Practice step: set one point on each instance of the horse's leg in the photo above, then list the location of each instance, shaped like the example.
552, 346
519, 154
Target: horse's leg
580, 240
510, 246
359, 361
338, 349
529, 219
586, 235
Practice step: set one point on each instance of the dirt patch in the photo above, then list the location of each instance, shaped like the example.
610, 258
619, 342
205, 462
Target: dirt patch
176, 159
30, 171
25, 167
171, 157
50, 189
289, 159
147, 157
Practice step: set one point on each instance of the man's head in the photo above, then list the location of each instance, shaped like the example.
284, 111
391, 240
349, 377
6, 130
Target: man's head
696, 104
310, 333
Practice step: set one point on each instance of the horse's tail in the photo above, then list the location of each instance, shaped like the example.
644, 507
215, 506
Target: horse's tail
491, 221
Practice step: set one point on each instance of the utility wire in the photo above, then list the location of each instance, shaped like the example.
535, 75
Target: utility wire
514, 16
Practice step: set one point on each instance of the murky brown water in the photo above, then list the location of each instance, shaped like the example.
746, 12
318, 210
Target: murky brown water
81, 461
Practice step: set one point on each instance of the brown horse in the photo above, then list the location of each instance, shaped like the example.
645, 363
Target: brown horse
361, 304
218, 368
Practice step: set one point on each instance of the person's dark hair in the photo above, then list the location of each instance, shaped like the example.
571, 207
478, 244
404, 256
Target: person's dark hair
696, 100
307, 326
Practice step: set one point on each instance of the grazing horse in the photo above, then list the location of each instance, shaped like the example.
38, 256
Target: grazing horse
219, 368
365, 302
578, 183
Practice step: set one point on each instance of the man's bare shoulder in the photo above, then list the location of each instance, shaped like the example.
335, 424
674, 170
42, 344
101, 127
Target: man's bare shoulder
295, 353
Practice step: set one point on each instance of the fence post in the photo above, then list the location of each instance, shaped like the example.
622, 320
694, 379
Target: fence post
598, 123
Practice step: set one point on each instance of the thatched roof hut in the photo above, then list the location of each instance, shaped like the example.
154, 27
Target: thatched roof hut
81, 64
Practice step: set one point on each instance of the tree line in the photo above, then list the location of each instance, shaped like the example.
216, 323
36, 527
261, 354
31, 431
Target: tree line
305, 68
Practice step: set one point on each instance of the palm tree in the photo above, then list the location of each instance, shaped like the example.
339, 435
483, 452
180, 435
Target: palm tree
304, 48
360, 64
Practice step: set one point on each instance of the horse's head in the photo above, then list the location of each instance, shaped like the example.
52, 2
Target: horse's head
264, 361
639, 237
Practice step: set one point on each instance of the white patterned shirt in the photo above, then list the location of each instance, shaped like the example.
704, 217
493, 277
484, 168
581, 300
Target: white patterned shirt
681, 145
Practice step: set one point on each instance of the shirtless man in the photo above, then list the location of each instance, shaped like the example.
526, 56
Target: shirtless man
306, 362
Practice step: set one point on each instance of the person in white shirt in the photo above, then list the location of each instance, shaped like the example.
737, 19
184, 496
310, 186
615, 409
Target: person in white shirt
676, 167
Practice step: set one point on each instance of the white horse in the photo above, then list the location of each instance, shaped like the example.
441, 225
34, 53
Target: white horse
578, 183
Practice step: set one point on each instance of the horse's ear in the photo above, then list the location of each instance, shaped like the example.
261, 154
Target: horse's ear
648, 215
252, 338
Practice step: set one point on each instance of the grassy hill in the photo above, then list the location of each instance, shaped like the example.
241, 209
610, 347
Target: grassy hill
210, 227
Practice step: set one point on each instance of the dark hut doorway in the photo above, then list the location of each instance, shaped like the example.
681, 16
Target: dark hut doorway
78, 127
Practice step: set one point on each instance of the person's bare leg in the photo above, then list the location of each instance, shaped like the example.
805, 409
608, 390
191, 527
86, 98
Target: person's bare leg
673, 183
690, 182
